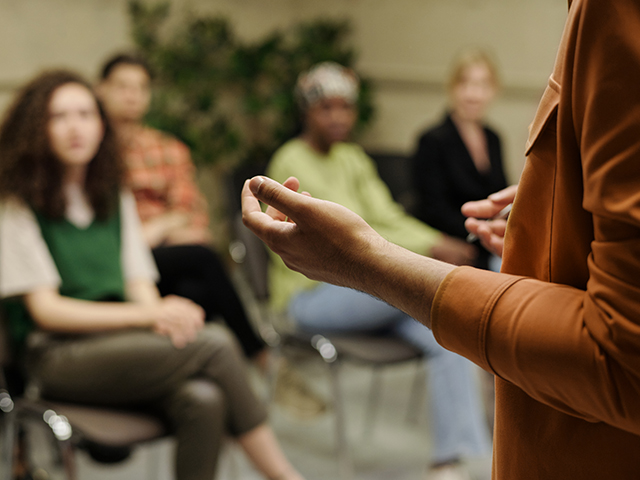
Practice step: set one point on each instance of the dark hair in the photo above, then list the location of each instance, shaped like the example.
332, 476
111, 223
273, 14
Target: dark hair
29, 171
125, 59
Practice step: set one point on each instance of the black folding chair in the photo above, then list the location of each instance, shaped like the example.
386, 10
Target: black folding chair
372, 350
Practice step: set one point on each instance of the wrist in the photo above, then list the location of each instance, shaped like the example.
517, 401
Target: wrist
374, 262
404, 279
145, 316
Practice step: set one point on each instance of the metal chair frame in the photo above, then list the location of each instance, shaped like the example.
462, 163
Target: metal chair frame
63, 423
249, 251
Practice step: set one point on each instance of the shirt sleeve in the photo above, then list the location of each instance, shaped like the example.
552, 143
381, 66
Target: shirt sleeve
184, 194
137, 260
575, 350
25, 261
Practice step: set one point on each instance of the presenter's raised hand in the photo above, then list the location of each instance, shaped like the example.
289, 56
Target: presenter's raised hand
320, 239
330, 243
481, 223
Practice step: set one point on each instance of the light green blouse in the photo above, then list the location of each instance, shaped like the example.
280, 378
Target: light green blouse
349, 177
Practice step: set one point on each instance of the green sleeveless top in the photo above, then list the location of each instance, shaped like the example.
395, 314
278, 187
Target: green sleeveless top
88, 261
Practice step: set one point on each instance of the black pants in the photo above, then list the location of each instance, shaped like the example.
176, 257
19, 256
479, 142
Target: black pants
197, 273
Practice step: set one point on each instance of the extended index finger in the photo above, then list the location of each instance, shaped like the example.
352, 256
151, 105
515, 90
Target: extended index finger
275, 195
266, 226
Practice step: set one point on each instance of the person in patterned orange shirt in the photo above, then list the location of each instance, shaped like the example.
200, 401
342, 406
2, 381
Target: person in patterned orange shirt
173, 211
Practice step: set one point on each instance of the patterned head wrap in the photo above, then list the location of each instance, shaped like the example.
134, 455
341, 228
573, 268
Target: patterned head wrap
324, 80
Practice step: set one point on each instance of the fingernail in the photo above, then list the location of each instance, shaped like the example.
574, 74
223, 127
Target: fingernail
256, 183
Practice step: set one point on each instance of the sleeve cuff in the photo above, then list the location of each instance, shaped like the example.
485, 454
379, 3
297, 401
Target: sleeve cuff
462, 310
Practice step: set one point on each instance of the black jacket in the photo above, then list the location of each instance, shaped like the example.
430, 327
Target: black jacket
445, 177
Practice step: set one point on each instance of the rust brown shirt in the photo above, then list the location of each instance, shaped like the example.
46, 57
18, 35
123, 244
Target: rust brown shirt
562, 332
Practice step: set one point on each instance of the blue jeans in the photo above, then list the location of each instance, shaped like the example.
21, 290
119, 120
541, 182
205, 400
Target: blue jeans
459, 426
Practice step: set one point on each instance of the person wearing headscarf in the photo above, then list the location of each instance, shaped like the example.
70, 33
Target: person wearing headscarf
332, 168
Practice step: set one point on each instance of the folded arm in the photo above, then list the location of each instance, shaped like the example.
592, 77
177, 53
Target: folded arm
175, 317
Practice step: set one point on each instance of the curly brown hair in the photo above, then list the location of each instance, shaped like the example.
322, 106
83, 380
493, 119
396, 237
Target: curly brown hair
29, 171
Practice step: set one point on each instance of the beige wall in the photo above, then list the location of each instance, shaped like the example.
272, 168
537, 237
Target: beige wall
38, 34
404, 45
407, 46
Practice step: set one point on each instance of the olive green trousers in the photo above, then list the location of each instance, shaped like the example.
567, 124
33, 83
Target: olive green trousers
202, 389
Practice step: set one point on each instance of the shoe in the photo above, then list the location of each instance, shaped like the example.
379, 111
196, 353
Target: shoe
448, 472
294, 395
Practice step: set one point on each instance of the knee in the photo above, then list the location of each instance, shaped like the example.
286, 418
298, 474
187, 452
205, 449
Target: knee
203, 401
218, 338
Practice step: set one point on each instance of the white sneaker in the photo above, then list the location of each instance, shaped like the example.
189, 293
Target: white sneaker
448, 472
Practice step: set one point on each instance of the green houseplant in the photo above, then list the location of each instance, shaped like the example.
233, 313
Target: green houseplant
231, 101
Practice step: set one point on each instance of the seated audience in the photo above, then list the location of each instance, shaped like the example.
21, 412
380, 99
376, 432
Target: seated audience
80, 281
175, 222
330, 168
460, 159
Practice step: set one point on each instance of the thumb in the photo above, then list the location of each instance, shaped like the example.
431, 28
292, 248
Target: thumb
274, 194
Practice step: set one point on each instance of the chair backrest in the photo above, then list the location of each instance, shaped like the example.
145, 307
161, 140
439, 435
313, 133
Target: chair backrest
395, 170
254, 264
5, 350
254, 261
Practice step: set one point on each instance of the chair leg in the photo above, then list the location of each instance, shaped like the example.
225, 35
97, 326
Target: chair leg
68, 459
62, 437
372, 404
415, 400
273, 369
61, 456
154, 460
8, 444
345, 466
230, 451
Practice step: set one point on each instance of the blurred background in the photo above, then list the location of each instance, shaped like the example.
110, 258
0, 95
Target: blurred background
403, 48
225, 73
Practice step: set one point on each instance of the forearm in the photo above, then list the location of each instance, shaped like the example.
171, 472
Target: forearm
404, 279
329, 243
142, 292
157, 229
53, 312
189, 236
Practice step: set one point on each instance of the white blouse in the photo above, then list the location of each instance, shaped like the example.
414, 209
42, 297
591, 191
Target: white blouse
25, 261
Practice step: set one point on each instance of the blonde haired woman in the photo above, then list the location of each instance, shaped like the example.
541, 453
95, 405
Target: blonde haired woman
460, 159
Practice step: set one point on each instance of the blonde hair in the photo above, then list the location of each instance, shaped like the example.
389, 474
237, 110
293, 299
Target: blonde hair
468, 58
